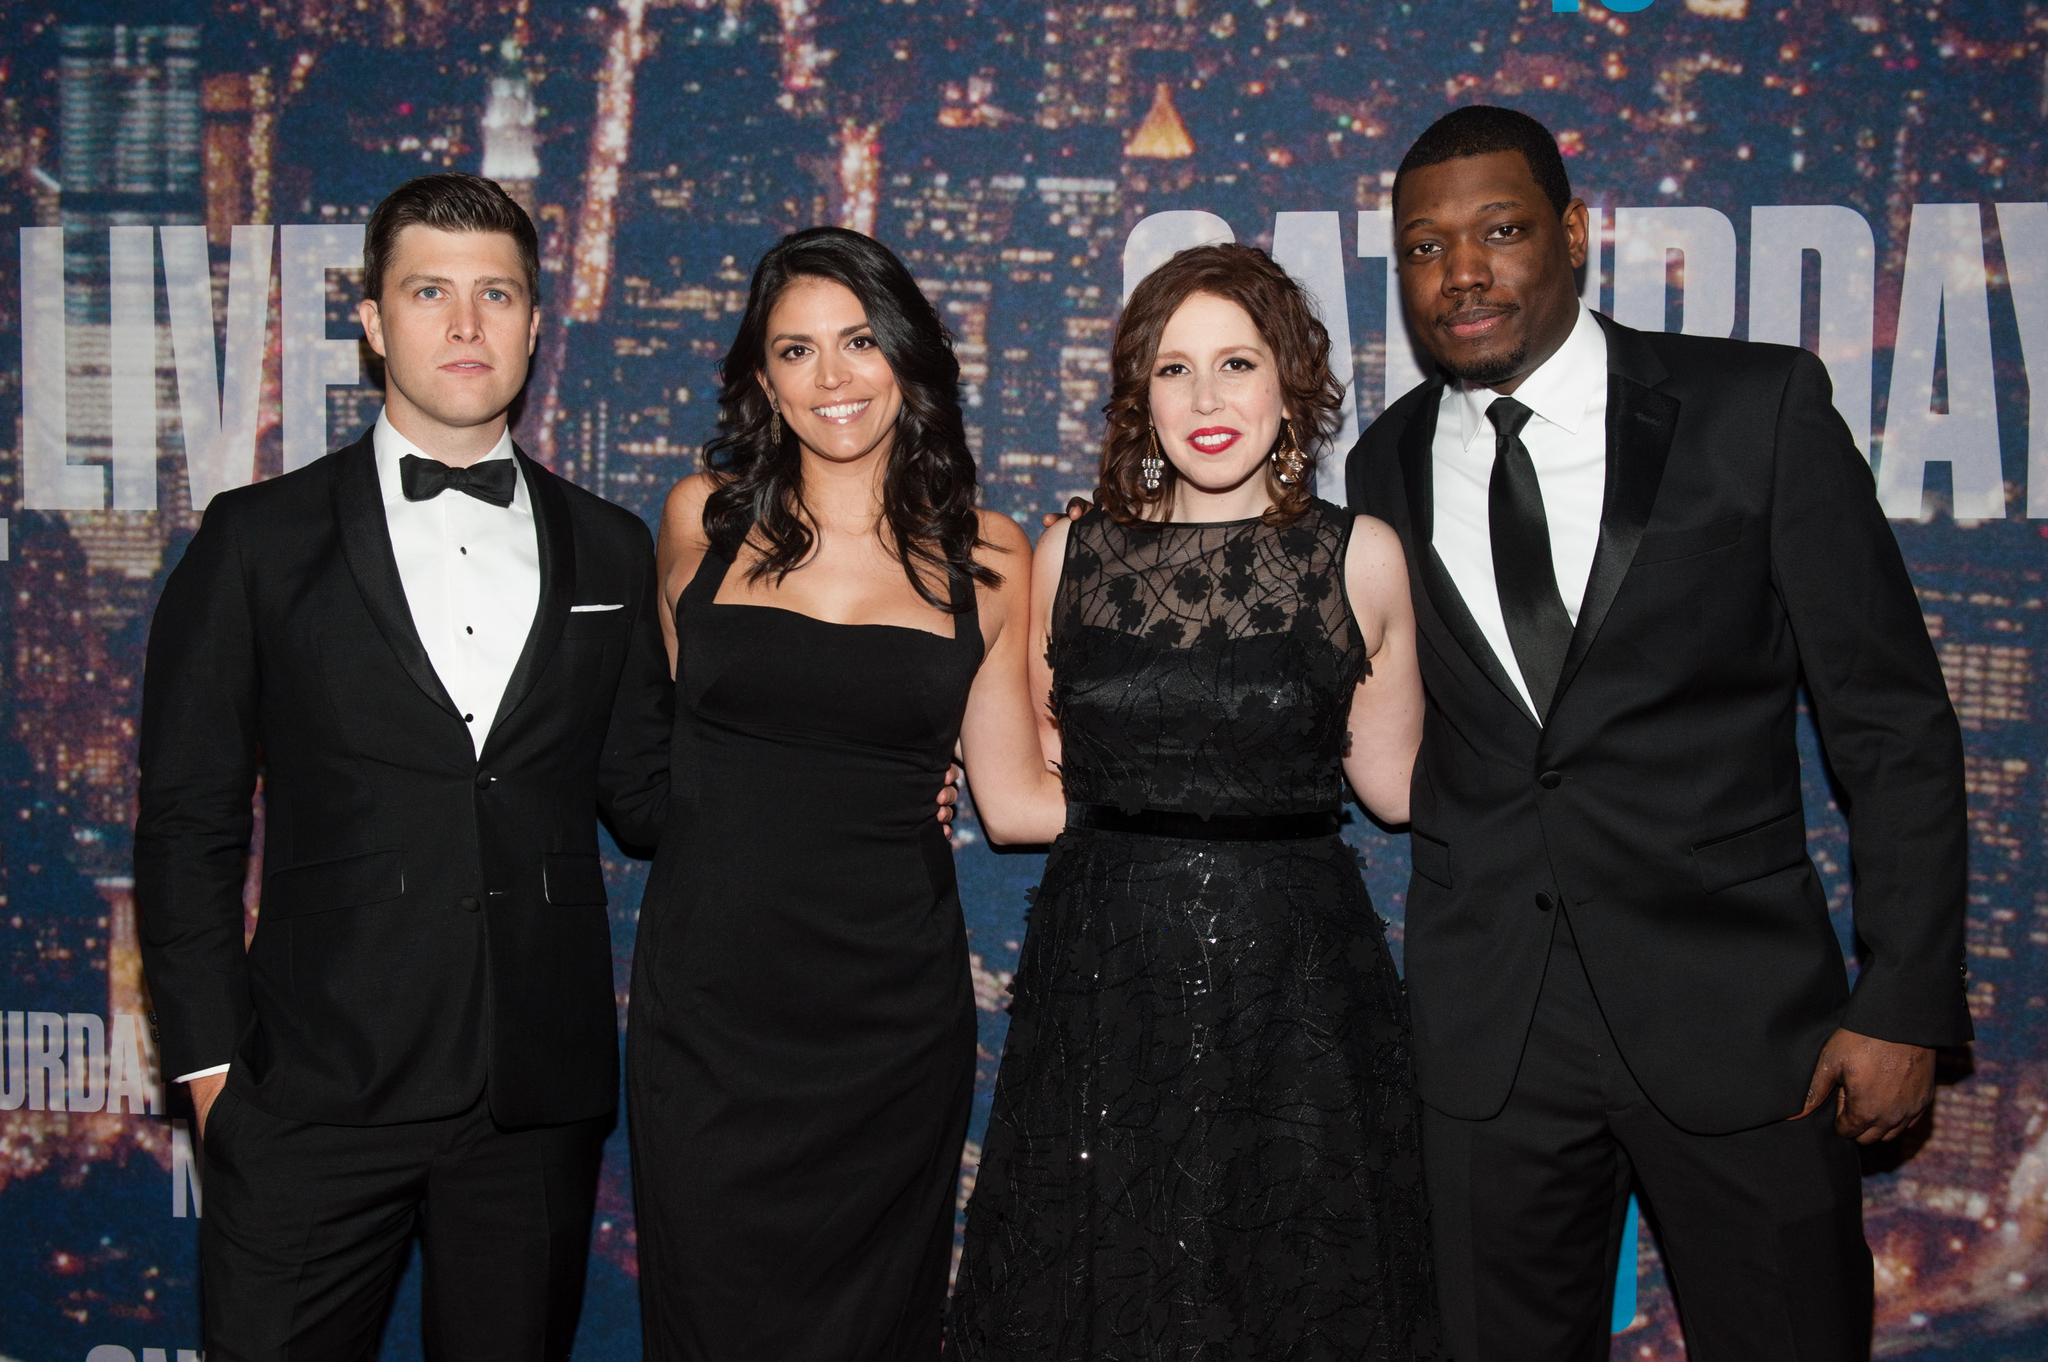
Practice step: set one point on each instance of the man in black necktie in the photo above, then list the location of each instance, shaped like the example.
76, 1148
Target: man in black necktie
1628, 551
445, 663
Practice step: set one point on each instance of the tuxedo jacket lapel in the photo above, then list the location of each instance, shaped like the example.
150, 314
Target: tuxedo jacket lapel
557, 541
366, 544
1418, 478
1641, 422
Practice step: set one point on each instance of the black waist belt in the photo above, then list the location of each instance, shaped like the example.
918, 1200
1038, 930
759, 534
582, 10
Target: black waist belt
1222, 827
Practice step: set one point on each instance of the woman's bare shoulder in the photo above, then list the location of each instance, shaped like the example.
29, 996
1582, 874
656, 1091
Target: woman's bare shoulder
1001, 533
682, 513
685, 501
1374, 536
1005, 551
1052, 544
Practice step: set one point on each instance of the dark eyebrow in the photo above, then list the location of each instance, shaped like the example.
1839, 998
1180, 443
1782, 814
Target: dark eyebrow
844, 332
1496, 206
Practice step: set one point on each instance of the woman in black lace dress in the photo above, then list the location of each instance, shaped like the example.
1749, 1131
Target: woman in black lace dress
1204, 1138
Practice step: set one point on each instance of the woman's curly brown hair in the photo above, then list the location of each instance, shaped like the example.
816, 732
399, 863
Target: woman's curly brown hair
1247, 276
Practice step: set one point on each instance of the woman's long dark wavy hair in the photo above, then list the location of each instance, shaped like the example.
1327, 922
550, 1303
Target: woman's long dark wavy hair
928, 488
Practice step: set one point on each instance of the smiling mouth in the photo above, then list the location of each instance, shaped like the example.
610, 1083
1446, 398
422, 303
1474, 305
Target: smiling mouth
843, 412
1475, 321
1214, 439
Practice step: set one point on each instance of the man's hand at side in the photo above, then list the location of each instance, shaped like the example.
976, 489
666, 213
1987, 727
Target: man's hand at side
204, 1091
1881, 1086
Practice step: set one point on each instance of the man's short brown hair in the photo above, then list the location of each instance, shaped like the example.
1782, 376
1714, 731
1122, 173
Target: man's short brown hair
448, 202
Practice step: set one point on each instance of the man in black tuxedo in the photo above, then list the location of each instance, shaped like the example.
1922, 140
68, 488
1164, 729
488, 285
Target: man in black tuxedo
445, 662
1628, 551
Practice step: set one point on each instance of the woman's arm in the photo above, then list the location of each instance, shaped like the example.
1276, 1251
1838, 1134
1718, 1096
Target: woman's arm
1386, 708
679, 548
1046, 566
1017, 796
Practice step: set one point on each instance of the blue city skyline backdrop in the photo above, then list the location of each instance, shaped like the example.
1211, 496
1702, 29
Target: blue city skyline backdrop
1006, 148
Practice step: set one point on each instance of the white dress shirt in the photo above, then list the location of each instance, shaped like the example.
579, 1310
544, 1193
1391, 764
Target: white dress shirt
471, 573
1567, 442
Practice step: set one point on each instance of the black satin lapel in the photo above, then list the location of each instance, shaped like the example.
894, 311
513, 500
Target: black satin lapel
1418, 476
1640, 424
366, 544
557, 538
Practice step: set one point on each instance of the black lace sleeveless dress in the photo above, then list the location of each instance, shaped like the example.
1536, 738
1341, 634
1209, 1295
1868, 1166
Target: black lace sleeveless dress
801, 1036
1204, 1141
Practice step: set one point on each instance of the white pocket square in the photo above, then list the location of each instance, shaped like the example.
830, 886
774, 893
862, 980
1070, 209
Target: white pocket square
575, 609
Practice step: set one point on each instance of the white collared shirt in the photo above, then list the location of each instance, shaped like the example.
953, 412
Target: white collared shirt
471, 572
1567, 442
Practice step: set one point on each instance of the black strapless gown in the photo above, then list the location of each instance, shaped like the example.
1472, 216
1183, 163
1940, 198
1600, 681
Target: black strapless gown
1205, 1137
801, 1036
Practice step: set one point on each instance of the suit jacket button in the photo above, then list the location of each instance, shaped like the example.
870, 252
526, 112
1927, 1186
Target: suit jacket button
1550, 780
468, 905
484, 780
1544, 901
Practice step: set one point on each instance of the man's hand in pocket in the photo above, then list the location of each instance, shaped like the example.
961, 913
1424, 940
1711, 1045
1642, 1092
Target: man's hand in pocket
204, 1091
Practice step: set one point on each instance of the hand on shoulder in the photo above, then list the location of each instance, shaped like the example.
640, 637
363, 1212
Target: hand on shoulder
1076, 508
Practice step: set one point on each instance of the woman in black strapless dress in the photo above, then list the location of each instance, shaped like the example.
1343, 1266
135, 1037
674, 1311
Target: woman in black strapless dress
800, 1044
1205, 1136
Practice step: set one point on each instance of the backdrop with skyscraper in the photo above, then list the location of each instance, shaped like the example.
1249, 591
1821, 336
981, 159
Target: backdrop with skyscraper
186, 181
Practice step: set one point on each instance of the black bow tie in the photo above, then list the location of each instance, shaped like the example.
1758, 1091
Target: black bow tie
492, 480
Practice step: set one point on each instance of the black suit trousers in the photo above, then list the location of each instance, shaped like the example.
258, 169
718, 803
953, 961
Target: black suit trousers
307, 1227
1761, 1230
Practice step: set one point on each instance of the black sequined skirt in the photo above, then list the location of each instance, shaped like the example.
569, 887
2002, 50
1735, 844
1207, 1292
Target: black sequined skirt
1205, 1136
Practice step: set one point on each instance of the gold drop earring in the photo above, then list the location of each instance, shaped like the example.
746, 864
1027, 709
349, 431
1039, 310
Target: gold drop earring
1153, 464
1287, 460
775, 425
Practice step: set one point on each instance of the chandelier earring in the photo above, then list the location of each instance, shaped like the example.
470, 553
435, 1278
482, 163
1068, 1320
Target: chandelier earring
1287, 460
775, 425
1153, 465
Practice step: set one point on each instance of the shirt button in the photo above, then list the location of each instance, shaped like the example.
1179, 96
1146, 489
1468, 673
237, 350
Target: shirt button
1544, 902
469, 718
1550, 780
484, 780
468, 629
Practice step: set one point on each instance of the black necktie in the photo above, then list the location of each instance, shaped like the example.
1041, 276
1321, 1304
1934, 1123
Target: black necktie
1523, 572
424, 479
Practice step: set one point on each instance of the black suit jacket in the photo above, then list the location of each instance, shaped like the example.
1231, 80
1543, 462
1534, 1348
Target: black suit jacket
1741, 549
433, 923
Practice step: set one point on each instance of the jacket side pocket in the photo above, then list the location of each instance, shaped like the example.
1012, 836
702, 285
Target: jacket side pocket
1431, 858
1753, 853
325, 886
